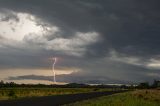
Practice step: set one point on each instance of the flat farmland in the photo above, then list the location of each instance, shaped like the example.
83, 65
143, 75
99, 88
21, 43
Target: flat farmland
17, 93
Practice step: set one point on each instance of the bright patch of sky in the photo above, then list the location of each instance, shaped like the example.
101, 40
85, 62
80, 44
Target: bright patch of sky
24, 25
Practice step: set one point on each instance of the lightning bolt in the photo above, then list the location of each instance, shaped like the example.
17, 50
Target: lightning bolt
54, 74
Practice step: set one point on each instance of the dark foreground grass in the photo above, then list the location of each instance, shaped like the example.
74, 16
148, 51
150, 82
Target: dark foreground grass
134, 98
16, 93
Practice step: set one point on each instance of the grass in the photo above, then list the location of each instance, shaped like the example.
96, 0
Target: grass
16, 93
132, 98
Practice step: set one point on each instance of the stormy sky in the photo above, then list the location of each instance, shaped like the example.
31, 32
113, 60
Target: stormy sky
95, 41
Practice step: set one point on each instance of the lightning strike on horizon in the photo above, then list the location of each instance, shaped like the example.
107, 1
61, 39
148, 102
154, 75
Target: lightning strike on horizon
54, 74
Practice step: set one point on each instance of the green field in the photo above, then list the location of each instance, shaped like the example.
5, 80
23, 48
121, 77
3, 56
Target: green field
132, 98
15, 93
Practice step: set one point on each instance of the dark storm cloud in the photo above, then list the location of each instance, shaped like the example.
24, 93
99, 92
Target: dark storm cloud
13, 58
122, 23
130, 27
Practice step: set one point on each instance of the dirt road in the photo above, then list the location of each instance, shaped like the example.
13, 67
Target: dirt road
57, 100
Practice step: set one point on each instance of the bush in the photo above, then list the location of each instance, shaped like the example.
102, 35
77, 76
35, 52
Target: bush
11, 93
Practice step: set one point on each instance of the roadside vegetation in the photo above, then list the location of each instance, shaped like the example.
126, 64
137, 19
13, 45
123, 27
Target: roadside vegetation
145, 97
11, 90
15, 93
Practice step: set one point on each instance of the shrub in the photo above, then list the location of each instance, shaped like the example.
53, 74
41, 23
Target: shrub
11, 93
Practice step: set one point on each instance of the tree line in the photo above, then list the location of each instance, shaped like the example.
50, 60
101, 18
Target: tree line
142, 85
